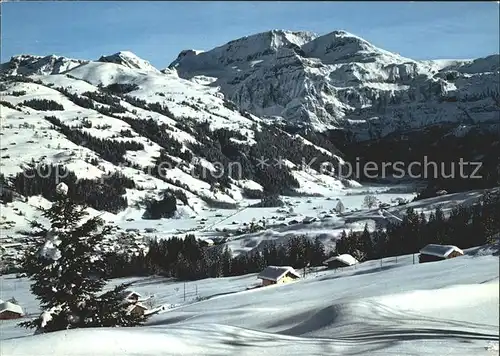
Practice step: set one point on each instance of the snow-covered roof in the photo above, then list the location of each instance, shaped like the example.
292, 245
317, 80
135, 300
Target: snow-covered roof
344, 258
440, 250
8, 306
275, 273
128, 293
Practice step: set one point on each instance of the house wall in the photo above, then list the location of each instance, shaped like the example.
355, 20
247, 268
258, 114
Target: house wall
137, 311
266, 282
454, 254
429, 258
336, 264
422, 258
7, 314
286, 279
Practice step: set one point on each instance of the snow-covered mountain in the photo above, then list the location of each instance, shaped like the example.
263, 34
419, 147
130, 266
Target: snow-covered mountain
129, 60
341, 80
38, 65
121, 114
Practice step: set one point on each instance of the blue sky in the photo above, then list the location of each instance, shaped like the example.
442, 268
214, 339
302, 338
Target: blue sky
158, 31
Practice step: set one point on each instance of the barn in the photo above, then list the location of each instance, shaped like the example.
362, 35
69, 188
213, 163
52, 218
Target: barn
136, 309
435, 252
9, 310
277, 275
344, 260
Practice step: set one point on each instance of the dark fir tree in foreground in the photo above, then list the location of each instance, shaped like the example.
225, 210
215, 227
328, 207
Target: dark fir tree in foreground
68, 272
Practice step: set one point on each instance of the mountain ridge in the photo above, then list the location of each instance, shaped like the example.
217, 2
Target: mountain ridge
335, 80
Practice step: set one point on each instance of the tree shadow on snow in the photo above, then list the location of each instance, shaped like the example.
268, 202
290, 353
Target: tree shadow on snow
345, 272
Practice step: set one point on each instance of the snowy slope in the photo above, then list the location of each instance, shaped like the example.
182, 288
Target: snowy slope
186, 102
29, 138
341, 80
440, 308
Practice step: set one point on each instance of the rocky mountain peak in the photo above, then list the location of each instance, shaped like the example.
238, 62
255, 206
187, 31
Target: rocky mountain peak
27, 64
242, 50
340, 80
128, 59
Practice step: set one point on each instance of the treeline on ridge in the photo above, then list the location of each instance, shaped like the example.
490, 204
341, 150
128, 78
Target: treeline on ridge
109, 150
105, 194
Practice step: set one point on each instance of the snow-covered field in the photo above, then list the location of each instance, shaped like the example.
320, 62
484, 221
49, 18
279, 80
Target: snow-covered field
277, 223
388, 308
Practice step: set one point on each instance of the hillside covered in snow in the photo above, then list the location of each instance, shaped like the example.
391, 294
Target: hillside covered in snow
340, 80
134, 143
119, 113
379, 307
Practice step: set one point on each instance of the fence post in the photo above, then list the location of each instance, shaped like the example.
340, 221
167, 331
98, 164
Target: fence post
413, 258
184, 291
381, 263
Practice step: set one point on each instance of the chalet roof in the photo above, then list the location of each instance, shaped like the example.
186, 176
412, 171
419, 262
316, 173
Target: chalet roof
8, 306
275, 273
128, 293
439, 250
345, 258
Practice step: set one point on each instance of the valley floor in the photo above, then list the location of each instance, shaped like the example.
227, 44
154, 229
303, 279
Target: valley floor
438, 308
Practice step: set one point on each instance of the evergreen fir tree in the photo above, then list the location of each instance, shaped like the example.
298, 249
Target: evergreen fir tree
109, 310
68, 272
365, 243
226, 261
341, 244
440, 227
379, 243
490, 206
318, 253
352, 242
340, 208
